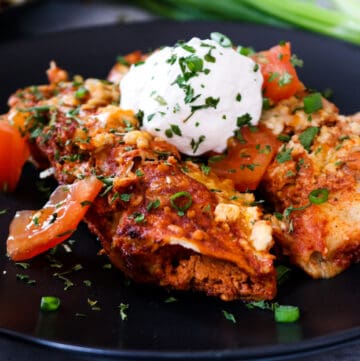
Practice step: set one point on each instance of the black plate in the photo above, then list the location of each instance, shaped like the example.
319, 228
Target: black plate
194, 326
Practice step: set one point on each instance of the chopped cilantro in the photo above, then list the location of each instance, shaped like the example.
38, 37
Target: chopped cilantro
175, 129
285, 79
229, 316
153, 205
123, 307
25, 278
243, 120
125, 197
284, 155
306, 138
205, 169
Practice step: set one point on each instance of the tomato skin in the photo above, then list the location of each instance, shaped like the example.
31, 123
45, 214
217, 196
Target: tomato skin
246, 161
280, 77
14, 152
34, 232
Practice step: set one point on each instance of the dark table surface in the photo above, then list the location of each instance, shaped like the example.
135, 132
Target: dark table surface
48, 16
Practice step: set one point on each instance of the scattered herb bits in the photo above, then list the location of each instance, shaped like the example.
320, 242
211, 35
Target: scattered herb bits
307, 137
49, 303
229, 316
123, 308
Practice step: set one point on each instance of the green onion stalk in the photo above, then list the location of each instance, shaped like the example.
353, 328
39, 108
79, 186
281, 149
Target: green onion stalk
339, 19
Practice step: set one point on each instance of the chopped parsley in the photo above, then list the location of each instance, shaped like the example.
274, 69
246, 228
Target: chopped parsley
205, 169
243, 120
196, 143
229, 316
284, 155
175, 129
210, 102
153, 205
306, 138
209, 58
285, 79
25, 278
125, 197
123, 308
86, 203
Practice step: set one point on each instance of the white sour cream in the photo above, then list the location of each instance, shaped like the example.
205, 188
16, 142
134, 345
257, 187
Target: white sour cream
195, 95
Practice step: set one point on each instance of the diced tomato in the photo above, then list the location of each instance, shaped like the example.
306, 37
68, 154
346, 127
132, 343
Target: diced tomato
33, 232
246, 160
280, 77
56, 74
134, 57
14, 152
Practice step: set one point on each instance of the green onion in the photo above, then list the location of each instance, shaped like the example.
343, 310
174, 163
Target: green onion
81, 93
312, 103
123, 308
175, 198
340, 20
319, 196
49, 303
285, 313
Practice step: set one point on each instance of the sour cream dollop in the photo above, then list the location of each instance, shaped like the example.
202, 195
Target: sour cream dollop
195, 94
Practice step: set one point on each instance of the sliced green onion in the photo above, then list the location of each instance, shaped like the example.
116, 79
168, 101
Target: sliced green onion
174, 199
319, 196
312, 103
340, 21
285, 313
49, 303
81, 93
